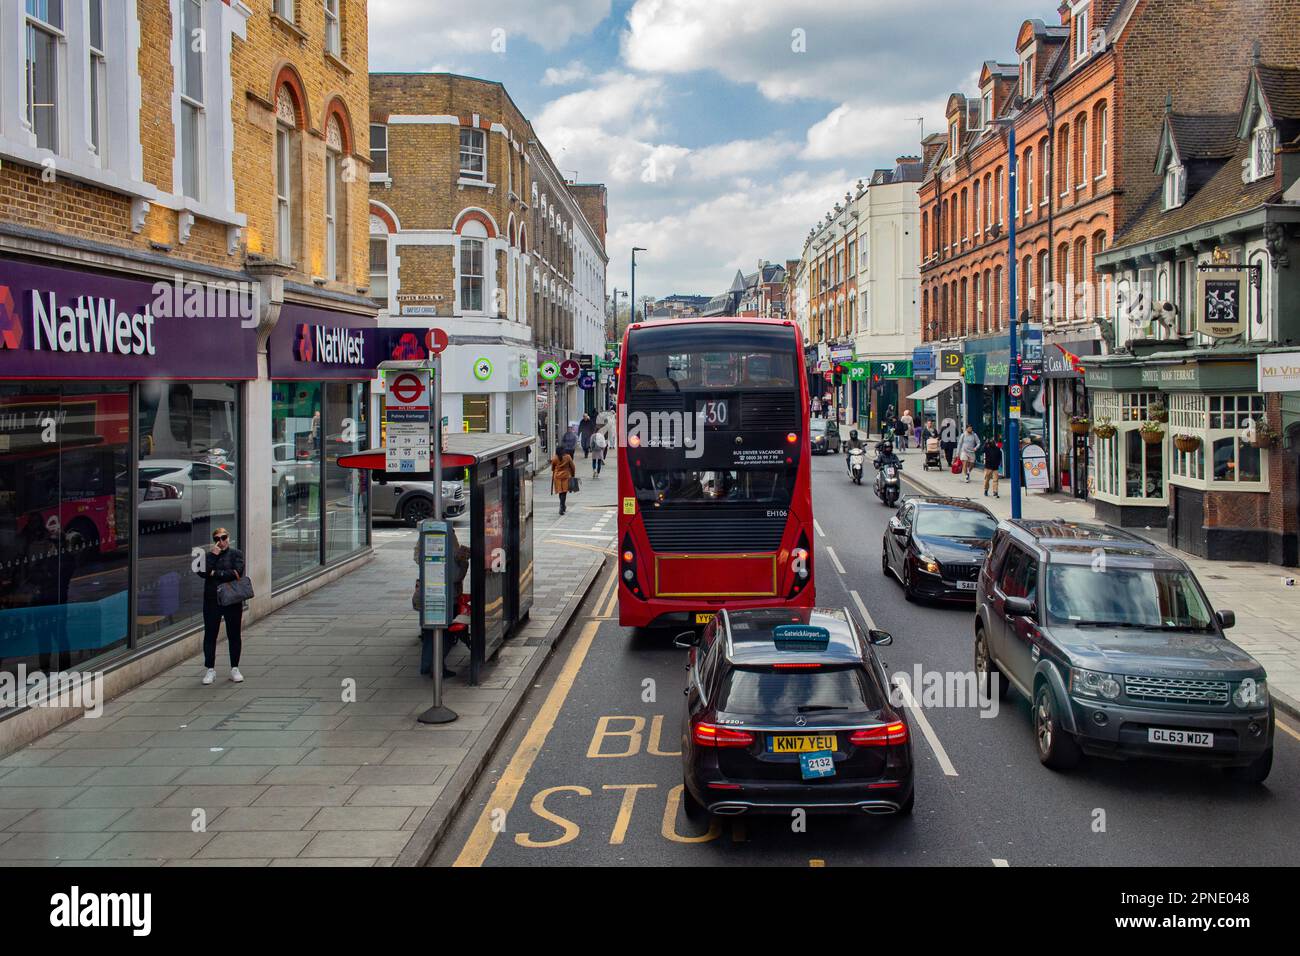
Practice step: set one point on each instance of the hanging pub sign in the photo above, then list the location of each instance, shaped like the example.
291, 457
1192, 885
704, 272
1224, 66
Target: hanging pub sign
1221, 294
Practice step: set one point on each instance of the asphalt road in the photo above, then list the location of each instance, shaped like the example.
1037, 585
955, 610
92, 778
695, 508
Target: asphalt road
590, 774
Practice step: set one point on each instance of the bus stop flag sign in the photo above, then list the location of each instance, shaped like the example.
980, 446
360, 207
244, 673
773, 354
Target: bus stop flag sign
406, 422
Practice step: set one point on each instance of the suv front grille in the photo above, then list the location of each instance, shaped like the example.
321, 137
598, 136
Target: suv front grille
1177, 690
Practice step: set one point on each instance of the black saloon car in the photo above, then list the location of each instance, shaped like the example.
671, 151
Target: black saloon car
823, 436
935, 547
790, 708
1116, 646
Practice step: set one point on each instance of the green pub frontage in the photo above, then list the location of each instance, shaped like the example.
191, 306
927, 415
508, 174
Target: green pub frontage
1195, 424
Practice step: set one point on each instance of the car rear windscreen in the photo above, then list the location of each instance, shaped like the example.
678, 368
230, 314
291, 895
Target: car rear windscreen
785, 693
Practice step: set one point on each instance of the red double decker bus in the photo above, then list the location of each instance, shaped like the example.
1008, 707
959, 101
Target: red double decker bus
714, 479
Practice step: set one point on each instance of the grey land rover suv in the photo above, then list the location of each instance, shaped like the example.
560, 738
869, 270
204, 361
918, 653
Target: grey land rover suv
1116, 646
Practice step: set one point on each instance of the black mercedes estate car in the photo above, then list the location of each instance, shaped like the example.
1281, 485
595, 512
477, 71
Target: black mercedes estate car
790, 708
1115, 644
936, 546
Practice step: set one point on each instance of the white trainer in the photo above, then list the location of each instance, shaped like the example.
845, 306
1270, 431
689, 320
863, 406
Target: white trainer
237, 677
209, 676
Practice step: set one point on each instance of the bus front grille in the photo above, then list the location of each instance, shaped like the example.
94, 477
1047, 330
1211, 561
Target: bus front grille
713, 529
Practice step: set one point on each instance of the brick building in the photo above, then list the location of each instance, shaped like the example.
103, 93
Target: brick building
185, 331
474, 230
1079, 95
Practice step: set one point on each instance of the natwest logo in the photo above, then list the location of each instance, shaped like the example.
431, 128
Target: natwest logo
328, 345
92, 324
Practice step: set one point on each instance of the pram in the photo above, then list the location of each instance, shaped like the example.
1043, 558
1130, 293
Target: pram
931, 454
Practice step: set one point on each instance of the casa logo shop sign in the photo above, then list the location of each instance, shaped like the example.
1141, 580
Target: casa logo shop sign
1279, 372
66, 324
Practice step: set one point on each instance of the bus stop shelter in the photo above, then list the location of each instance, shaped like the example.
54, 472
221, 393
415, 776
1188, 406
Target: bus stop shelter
500, 578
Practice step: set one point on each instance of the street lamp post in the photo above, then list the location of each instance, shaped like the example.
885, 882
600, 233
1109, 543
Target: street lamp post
1014, 384
631, 316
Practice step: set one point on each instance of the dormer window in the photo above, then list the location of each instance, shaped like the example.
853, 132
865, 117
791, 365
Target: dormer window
954, 137
1261, 151
1175, 186
1027, 76
1080, 18
986, 109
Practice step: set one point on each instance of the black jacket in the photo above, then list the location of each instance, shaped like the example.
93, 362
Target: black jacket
225, 567
992, 456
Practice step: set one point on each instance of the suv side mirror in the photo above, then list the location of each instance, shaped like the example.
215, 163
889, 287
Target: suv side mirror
880, 638
1020, 607
686, 640
1226, 619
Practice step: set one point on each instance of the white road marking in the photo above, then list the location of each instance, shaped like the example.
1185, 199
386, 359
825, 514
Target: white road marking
835, 558
926, 730
997, 862
820, 532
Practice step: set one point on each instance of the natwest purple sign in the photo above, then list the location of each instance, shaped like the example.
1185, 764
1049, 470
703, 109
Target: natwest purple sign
70, 324
309, 344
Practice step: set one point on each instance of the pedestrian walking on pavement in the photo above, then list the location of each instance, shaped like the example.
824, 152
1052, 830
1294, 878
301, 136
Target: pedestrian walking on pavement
966, 449
221, 565
900, 433
992, 466
562, 470
599, 446
585, 431
569, 441
909, 434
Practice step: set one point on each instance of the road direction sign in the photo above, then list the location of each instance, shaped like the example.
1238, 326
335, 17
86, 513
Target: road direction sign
482, 369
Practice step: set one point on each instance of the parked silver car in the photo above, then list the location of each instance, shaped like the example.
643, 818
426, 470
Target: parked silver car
412, 501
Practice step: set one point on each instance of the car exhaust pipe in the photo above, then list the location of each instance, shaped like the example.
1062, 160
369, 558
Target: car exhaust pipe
880, 810
728, 810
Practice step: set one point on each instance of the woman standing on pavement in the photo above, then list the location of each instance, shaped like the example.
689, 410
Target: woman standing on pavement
562, 470
222, 565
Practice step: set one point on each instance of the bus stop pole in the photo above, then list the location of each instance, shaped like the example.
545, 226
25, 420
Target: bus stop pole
438, 714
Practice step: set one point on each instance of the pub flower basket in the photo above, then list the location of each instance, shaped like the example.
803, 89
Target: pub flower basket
1187, 443
1104, 428
1264, 435
1158, 411
1080, 425
1153, 433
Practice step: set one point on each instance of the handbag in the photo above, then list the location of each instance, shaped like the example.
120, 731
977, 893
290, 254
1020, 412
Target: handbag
958, 467
235, 592
575, 485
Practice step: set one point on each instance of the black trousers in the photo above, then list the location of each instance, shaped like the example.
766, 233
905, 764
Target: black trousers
564, 497
213, 614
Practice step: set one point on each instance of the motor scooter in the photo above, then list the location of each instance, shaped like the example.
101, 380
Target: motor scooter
888, 485
857, 462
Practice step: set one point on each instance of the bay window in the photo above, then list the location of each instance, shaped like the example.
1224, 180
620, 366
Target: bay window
1222, 459
1129, 469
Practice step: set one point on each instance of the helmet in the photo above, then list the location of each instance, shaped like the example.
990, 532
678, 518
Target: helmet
853, 434
886, 448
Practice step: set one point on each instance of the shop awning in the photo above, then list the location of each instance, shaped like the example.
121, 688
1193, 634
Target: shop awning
931, 390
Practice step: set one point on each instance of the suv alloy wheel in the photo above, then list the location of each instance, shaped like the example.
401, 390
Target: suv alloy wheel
985, 670
1057, 749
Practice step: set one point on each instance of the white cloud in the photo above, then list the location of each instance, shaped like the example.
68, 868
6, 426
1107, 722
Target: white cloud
404, 34
863, 130
565, 75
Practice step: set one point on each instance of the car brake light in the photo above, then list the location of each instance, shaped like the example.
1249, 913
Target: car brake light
883, 735
711, 735
796, 667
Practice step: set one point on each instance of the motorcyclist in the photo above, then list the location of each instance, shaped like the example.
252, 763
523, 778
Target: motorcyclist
885, 456
853, 442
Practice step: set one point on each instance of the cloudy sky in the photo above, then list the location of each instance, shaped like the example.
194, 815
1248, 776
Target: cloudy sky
723, 128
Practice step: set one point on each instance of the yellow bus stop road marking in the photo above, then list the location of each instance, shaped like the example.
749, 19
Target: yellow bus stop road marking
1286, 729
506, 792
